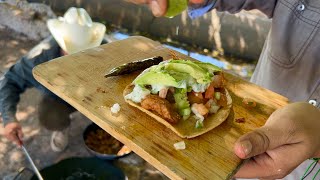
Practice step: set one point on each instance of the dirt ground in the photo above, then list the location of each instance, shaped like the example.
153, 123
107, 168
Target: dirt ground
37, 139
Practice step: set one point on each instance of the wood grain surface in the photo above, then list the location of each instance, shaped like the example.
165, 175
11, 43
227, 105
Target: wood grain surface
79, 80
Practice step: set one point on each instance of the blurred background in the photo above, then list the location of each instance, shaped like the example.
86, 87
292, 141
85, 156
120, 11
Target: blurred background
232, 42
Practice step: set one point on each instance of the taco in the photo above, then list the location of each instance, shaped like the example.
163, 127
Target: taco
189, 97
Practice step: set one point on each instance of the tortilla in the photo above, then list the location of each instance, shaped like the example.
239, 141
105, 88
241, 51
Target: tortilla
186, 128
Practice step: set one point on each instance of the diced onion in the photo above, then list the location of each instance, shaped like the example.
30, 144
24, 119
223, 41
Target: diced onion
199, 117
214, 109
180, 145
115, 108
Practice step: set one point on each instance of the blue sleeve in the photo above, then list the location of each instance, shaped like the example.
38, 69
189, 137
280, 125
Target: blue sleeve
12, 84
200, 10
233, 6
19, 77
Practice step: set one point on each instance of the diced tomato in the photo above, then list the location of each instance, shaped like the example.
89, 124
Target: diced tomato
209, 92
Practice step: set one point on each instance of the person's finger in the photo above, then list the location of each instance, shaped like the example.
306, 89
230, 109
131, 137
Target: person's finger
137, 1
20, 137
259, 141
196, 1
18, 141
158, 7
274, 164
20, 134
257, 165
13, 136
16, 136
13, 132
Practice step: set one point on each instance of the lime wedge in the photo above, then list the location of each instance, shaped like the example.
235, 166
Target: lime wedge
175, 7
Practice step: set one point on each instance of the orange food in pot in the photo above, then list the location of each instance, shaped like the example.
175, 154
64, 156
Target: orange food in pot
102, 142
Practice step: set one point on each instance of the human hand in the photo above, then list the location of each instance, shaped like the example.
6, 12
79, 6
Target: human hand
159, 7
289, 137
13, 132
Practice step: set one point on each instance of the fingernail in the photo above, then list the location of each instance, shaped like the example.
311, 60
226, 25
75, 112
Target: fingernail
155, 8
246, 147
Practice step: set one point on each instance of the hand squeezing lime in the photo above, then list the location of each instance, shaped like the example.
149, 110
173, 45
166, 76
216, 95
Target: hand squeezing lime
175, 7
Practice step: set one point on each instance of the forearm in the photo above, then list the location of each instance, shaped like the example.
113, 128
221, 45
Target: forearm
9, 98
11, 86
8, 114
19, 77
8, 119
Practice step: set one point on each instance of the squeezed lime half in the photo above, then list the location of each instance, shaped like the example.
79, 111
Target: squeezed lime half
175, 7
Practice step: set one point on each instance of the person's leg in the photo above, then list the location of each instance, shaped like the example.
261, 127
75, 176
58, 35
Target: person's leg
54, 115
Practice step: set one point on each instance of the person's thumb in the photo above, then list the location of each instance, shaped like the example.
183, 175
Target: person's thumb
20, 134
158, 7
259, 141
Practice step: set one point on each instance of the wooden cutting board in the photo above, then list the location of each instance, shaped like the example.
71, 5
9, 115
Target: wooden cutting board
79, 80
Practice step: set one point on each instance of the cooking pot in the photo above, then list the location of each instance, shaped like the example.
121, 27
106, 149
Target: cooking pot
92, 128
81, 169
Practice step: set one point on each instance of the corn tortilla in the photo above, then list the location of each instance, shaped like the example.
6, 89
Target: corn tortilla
186, 128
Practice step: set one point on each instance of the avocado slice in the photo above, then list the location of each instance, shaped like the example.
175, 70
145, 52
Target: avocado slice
203, 65
159, 78
179, 76
175, 7
208, 66
201, 75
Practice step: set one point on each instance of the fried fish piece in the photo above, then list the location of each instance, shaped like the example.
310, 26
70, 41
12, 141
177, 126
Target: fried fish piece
162, 107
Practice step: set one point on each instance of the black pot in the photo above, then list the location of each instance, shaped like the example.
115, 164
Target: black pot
81, 169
